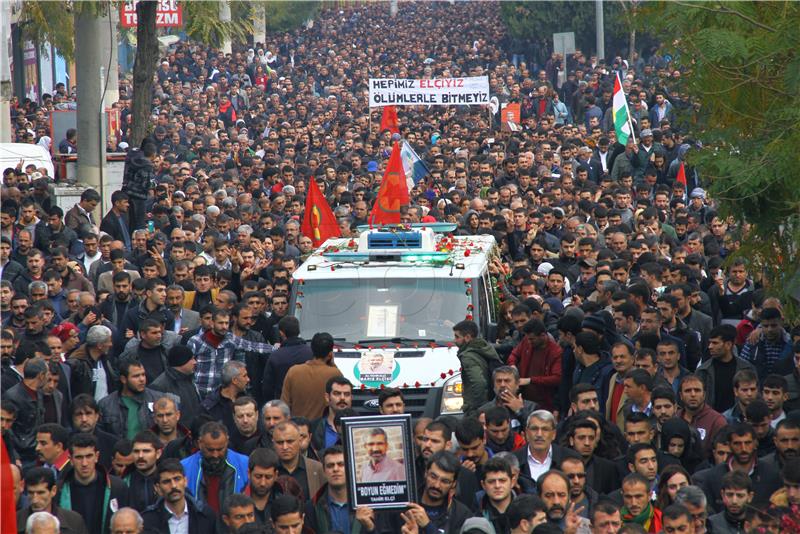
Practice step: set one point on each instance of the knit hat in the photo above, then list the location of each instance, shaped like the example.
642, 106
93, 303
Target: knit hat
593, 322
179, 355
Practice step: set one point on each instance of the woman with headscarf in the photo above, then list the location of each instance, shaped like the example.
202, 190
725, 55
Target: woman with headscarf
677, 441
45, 142
468, 224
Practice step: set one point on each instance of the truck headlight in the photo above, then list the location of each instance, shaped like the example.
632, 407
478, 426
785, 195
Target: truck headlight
452, 401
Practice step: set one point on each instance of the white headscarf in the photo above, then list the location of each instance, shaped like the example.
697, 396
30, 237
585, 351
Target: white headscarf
46, 142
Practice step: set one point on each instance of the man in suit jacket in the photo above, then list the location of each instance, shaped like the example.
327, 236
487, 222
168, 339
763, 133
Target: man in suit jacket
307, 472
541, 454
171, 481
185, 319
116, 222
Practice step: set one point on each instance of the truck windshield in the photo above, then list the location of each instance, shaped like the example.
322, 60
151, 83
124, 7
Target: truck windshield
356, 310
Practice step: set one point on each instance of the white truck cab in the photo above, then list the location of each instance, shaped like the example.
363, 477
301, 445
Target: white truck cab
390, 299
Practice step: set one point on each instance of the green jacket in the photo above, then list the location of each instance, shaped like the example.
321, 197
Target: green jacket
475, 377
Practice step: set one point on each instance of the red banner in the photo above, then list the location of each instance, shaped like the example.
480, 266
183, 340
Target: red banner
168, 15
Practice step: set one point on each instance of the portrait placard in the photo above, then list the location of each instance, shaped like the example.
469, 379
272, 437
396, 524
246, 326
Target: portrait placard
380, 461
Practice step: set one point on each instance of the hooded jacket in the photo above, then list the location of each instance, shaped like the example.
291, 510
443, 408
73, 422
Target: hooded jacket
692, 450
138, 176
475, 357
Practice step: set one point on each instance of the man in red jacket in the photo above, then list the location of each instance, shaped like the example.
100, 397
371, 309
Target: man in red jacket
538, 358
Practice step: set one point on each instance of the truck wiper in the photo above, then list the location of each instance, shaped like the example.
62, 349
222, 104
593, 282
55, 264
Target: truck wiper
395, 340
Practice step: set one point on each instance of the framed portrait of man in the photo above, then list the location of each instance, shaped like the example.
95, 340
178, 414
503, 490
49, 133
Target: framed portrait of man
380, 461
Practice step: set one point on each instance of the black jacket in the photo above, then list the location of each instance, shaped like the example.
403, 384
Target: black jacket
601, 475
83, 366
526, 482
180, 447
293, 350
141, 490
30, 414
138, 176
11, 270
136, 314
110, 225
447, 523
114, 418
201, 518
182, 385
220, 409
115, 497
766, 480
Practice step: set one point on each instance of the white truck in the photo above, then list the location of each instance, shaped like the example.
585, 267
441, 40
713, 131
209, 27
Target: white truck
390, 299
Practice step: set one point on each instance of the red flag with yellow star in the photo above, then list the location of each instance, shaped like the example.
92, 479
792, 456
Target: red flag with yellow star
389, 120
393, 192
319, 223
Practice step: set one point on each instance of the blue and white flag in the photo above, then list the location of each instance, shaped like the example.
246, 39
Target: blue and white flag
413, 165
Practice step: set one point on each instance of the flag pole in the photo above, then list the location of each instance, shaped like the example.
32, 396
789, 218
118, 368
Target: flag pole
630, 123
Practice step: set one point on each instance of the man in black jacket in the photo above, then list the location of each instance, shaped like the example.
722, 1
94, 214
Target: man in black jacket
89, 489
116, 222
171, 485
27, 396
435, 504
147, 449
133, 395
153, 301
137, 180
293, 350
766, 477
540, 431
85, 414
178, 379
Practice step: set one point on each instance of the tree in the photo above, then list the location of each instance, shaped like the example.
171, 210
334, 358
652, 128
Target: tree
740, 61
202, 22
539, 20
284, 16
45, 21
144, 69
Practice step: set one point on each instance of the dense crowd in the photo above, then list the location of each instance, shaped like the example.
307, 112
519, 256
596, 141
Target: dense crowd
153, 380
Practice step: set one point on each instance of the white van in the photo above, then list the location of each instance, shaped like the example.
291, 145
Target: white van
390, 299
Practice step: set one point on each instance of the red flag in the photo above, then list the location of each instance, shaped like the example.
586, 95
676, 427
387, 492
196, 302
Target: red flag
319, 223
8, 513
393, 192
389, 120
681, 178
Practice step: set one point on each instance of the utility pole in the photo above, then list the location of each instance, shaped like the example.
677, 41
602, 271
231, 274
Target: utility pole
92, 53
225, 16
600, 30
259, 23
6, 87
111, 47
